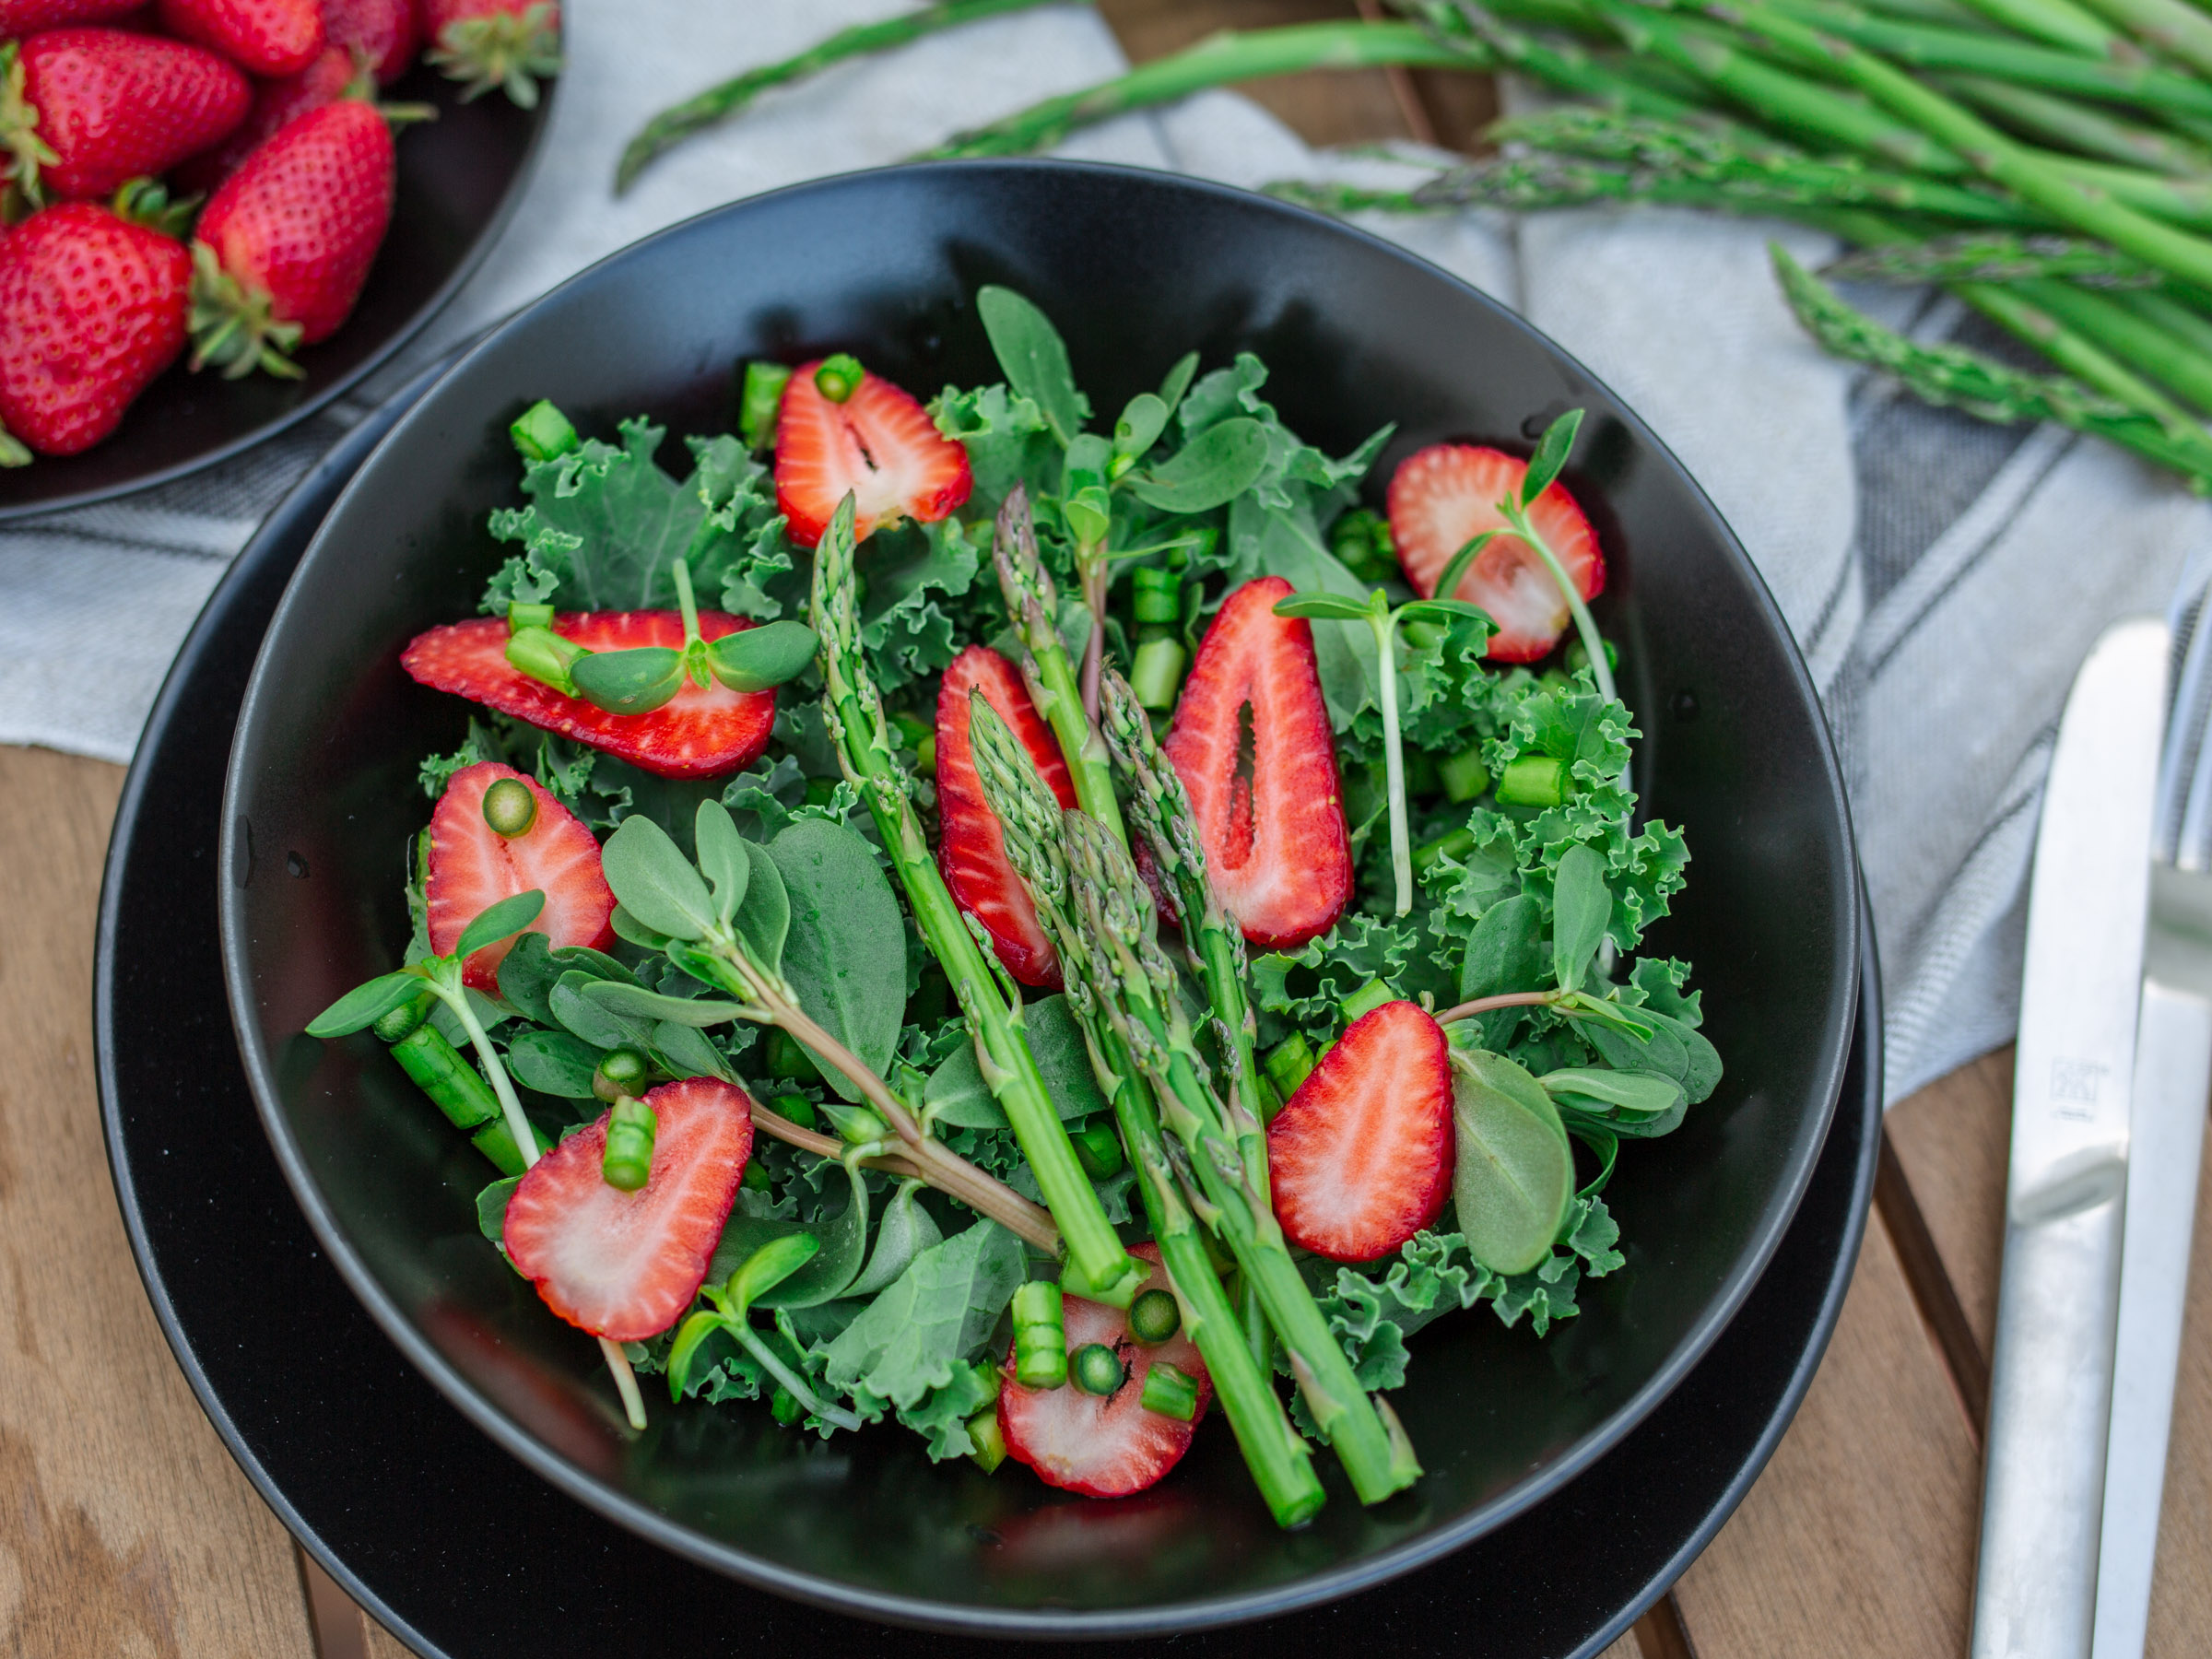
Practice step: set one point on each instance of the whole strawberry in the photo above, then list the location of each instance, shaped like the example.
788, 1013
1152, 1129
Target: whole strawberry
92, 307
21, 17
268, 37
382, 31
84, 110
488, 43
277, 104
282, 250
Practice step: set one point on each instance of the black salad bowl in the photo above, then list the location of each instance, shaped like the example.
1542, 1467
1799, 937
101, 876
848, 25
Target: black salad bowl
460, 176
1136, 268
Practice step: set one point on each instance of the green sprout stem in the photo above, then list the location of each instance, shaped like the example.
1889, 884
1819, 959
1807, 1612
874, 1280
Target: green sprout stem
1585, 624
730, 968
445, 980
1385, 628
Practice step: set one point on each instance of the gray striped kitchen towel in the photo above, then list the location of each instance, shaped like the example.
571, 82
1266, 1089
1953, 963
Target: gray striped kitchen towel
1943, 577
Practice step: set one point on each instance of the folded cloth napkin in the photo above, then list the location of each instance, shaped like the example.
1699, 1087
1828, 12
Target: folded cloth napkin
1942, 577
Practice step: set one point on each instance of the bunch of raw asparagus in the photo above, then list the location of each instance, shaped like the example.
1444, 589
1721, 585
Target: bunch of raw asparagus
2049, 162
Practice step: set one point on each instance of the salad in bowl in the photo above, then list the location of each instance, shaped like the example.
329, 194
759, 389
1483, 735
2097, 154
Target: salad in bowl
1037, 930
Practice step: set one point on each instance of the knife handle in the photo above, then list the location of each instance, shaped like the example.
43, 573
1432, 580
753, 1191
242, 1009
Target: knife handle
2166, 1141
2050, 1404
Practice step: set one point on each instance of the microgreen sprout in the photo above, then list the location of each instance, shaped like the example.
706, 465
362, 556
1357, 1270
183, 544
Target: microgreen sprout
1544, 468
443, 978
733, 1301
1384, 621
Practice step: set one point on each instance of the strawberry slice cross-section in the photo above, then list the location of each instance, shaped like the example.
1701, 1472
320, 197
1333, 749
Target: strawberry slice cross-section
472, 866
625, 1266
1361, 1155
971, 847
1109, 1447
1254, 746
1443, 497
880, 444
703, 732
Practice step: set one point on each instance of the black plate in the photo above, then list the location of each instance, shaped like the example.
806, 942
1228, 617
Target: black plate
1134, 267
459, 178
466, 1553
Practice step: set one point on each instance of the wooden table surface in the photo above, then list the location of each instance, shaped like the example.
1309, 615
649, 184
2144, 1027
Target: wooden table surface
126, 1530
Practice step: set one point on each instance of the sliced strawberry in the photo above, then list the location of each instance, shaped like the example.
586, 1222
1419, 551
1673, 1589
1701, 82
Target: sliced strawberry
472, 866
1361, 1155
971, 847
1443, 497
625, 1266
880, 444
1252, 744
1102, 1448
702, 732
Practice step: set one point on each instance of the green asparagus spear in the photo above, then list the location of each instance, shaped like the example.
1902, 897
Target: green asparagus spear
1100, 1269
1219, 59
2058, 23
1984, 387
2169, 27
1127, 981
723, 101
2077, 126
1993, 256
2085, 206
1161, 807
1922, 46
1280, 1462
1031, 606
2136, 342
1134, 984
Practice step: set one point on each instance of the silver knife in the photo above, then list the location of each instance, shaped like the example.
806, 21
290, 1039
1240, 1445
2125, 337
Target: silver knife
2174, 1077
2051, 1373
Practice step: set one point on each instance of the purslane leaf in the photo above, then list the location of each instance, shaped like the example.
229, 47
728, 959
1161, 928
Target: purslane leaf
1514, 1175
365, 1005
655, 882
1034, 356
1552, 451
1581, 905
1210, 470
845, 951
496, 921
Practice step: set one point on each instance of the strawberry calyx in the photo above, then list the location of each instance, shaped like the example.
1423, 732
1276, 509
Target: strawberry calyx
506, 51
234, 326
147, 202
12, 451
22, 151
362, 89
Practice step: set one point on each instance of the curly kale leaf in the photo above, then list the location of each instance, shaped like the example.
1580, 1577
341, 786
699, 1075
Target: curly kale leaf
930, 1321
606, 526
922, 602
1008, 440
1374, 1309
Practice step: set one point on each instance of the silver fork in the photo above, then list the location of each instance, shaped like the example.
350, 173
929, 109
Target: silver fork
2172, 1081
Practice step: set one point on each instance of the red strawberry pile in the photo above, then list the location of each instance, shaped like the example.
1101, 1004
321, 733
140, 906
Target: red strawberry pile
214, 175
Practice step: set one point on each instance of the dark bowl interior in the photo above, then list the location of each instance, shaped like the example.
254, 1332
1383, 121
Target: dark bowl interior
458, 177
1136, 268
